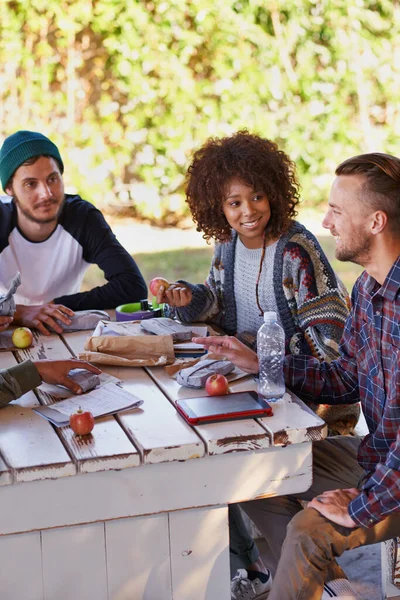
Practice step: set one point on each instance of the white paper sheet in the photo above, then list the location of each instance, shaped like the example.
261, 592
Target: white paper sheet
107, 399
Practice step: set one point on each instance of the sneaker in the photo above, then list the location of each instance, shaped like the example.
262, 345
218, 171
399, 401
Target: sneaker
250, 585
339, 588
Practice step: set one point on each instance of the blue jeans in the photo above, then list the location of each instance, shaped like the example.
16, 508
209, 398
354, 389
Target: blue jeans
243, 549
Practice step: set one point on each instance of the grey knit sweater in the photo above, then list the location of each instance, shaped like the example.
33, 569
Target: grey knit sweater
247, 265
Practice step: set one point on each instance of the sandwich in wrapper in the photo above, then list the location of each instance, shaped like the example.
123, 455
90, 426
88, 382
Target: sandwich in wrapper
166, 326
196, 376
7, 302
83, 320
86, 380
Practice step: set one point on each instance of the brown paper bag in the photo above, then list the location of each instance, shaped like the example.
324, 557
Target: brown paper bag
130, 351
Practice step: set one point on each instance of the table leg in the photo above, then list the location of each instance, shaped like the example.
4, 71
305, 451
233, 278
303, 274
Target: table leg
199, 541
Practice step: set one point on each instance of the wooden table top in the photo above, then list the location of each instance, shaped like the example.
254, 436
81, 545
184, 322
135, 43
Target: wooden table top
31, 448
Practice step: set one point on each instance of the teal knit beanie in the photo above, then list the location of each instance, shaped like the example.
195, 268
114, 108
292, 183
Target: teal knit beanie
21, 146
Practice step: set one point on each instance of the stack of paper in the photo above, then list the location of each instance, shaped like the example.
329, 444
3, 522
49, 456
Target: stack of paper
105, 400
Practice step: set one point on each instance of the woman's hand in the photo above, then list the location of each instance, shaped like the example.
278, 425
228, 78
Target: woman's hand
176, 295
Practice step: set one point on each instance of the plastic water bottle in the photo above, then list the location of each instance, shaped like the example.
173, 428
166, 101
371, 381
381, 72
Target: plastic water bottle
271, 352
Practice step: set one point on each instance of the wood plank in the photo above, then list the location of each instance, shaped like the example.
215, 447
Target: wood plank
76, 341
157, 430
28, 443
161, 432
138, 558
50, 347
30, 446
159, 488
21, 567
6, 360
235, 436
74, 563
293, 422
220, 438
200, 554
106, 447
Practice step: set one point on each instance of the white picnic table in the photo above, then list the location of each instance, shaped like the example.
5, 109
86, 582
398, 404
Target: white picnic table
138, 510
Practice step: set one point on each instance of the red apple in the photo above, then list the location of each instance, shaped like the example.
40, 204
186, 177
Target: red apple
156, 283
22, 337
81, 421
217, 385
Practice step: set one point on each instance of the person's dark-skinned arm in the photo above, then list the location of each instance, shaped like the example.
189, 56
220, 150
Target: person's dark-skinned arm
43, 317
20, 379
125, 282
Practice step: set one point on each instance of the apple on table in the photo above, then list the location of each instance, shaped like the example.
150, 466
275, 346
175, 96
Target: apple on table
81, 422
217, 385
22, 337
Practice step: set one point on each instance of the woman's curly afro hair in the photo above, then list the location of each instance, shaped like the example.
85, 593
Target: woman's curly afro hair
258, 163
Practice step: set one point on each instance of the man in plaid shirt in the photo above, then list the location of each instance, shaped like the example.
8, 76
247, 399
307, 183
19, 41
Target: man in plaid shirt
355, 496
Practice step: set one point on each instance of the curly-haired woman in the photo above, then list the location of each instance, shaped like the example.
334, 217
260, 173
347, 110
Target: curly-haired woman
243, 192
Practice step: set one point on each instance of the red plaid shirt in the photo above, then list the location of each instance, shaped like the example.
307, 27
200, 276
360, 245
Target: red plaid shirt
368, 369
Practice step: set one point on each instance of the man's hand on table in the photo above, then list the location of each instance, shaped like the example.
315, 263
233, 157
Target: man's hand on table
233, 349
334, 504
42, 317
56, 372
5, 322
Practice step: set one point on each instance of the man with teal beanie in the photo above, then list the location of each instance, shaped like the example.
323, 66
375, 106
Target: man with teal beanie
51, 238
21, 146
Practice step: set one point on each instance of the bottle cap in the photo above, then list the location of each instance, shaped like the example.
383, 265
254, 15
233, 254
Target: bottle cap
269, 316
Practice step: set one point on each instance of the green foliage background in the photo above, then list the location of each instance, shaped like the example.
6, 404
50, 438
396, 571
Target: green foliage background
128, 88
